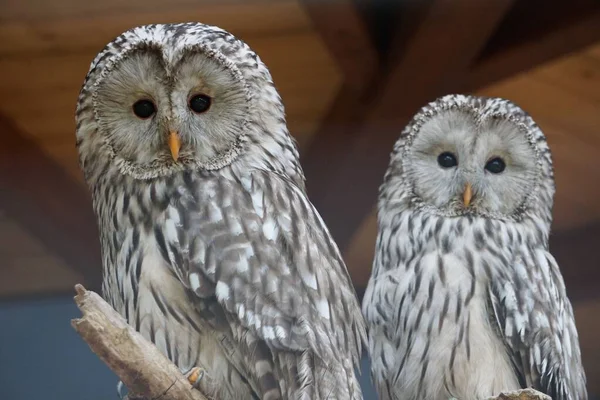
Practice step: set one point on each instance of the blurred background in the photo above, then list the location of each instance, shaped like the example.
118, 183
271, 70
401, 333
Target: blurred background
351, 74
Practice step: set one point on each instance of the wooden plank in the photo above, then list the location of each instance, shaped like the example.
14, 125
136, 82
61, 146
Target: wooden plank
588, 327
553, 104
30, 10
576, 253
578, 75
531, 19
345, 35
38, 194
536, 50
594, 51
15, 241
432, 62
36, 275
60, 32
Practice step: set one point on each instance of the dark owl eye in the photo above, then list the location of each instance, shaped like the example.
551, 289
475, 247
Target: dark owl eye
144, 108
199, 103
447, 160
495, 165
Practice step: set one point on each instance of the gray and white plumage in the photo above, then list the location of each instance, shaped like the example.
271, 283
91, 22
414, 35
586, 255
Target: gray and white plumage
465, 299
215, 254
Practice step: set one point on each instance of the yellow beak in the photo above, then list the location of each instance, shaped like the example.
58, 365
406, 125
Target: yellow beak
174, 144
467, 195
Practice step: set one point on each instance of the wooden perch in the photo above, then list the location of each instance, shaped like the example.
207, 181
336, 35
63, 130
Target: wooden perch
137, 362
142, 368
525, 394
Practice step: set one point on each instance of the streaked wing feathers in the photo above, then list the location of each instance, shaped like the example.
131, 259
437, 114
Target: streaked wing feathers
259, 246
538, 327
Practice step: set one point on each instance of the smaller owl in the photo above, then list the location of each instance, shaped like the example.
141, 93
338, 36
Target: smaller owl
465, 299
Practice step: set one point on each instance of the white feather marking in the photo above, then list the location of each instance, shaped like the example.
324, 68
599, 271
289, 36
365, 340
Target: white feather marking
222, 291
285, 222
251, 318
310, 280
241, 311
194, 281
249, 252
215, 214
257, 202
242, 265
270, 230
544, 366
509, 328
174, 215
262, 367
246, 183
171, 231
269, 333
235, 227
542, 320
280, 332
323, 308
567, 342
520, 324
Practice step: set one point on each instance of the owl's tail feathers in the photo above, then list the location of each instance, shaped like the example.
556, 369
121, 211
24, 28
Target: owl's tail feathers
257, 354
267, 383
304, 376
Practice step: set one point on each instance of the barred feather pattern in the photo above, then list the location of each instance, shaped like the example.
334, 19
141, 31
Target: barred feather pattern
465, 305
225, 266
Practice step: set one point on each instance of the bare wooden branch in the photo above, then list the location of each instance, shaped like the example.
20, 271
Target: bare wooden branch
142, 368
138, 363
525, 394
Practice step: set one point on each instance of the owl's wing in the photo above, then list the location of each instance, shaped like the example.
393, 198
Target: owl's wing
258, 245
538, 326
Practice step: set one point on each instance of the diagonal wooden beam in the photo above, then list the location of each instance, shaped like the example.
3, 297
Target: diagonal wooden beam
542, 47
36, 192
433, 60
345, 35
576, 252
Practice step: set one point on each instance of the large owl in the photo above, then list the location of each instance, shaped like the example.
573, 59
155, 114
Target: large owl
211, 248
465, 300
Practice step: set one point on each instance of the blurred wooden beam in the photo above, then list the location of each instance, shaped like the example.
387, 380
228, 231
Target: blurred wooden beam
538, 48
348, 166
345, 35
576, 252
45, 200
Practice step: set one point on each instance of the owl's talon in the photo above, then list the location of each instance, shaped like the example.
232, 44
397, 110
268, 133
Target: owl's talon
195, 376
120, 387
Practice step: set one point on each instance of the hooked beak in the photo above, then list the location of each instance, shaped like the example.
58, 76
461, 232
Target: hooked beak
174, 144
467, 195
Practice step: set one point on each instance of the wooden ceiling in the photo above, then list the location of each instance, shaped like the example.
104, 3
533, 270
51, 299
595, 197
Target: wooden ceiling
350, 72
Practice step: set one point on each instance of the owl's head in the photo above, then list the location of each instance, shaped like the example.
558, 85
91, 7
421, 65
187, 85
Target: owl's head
471, 155
165, 98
